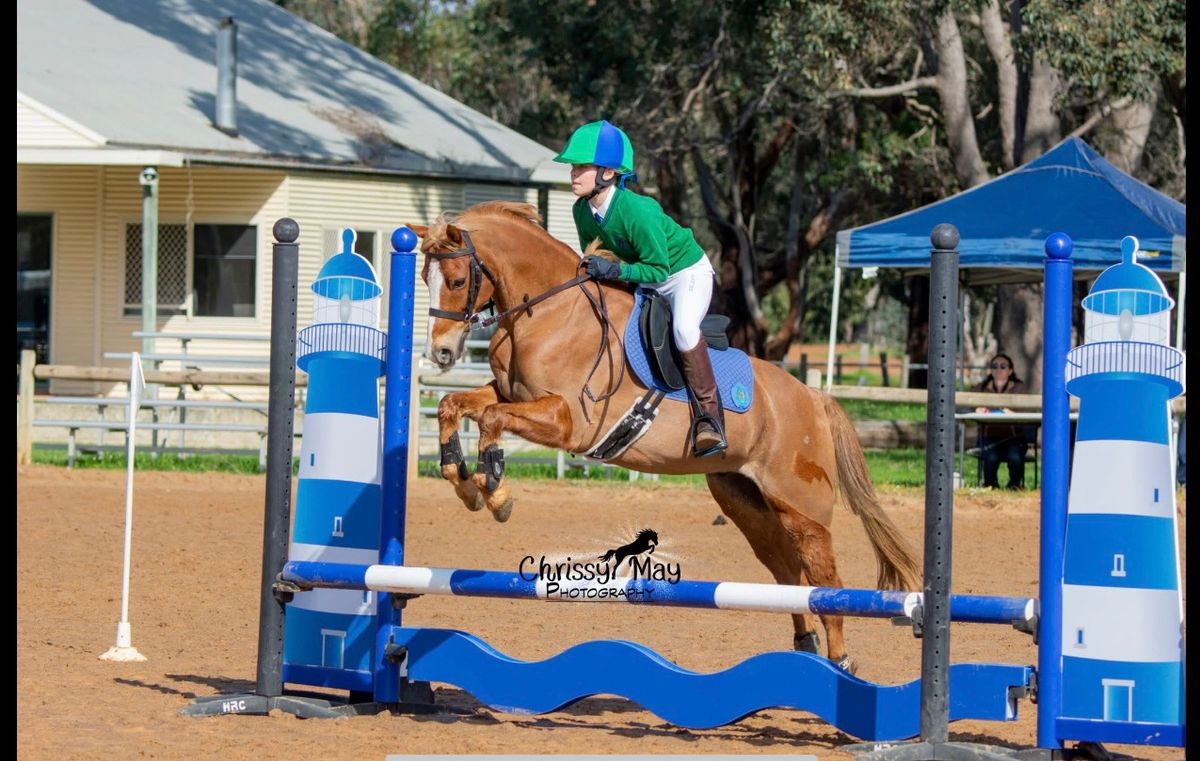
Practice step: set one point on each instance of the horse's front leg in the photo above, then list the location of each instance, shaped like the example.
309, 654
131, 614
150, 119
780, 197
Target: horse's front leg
545, 421
451, 410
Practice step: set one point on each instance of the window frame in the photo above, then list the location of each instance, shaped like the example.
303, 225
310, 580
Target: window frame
188, 313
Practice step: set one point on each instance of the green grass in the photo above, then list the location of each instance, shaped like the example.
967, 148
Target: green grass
898, 467
870, 409
192, 463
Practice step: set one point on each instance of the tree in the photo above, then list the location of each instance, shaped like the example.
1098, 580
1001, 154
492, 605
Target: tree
765, 125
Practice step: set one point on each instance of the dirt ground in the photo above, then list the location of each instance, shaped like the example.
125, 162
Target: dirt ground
194, 611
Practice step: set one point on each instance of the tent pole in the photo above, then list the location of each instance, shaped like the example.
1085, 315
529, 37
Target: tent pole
1180, 291
833, 321
960, 355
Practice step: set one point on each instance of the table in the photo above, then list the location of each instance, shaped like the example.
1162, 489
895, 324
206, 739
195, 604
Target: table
996, 418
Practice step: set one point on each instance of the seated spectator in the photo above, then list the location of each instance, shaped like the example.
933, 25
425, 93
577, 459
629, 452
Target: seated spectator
1002, 443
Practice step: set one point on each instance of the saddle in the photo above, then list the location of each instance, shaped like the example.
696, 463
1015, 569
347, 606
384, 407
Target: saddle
654, 325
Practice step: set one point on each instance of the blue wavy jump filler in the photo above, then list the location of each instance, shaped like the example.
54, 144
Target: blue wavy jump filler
686, 698
800, 681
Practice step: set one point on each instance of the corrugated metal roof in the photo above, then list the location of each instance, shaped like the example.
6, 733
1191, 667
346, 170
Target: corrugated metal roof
143, 75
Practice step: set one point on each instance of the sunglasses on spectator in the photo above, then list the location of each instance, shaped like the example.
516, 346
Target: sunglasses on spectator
1001, 366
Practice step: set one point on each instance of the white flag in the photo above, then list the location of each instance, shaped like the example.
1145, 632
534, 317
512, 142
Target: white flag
137, 384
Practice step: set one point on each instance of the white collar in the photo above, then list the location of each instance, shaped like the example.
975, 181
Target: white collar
602, 210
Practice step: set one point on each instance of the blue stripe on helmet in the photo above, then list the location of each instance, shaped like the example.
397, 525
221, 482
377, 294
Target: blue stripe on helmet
610, 148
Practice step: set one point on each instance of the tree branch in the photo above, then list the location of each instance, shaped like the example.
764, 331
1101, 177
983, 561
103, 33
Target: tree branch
920, 83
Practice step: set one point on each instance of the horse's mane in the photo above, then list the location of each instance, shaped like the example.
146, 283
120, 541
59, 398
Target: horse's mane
645, 532
472, 218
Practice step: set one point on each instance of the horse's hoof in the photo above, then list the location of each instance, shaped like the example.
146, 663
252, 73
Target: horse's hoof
504, 512
847, 664
808, 643
470, 496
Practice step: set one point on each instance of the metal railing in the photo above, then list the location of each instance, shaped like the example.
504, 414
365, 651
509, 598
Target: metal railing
1126, 357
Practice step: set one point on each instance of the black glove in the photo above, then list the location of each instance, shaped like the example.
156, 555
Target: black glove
602, 269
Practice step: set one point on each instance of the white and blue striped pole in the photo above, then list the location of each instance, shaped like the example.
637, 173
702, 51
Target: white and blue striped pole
770, 598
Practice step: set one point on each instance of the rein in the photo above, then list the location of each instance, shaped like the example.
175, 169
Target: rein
472, 316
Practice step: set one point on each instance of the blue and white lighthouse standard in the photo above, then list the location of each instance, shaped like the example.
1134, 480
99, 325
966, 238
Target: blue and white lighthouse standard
329, 634
1122, 617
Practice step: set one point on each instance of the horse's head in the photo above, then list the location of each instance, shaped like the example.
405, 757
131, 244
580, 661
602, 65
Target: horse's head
459, 285
649, 537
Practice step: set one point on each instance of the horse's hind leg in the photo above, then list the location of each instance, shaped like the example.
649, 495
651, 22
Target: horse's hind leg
741, 500
545, 421
809, 540
451, 410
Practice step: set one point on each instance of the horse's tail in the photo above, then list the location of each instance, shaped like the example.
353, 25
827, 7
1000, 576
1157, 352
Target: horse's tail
608, 556
898, 567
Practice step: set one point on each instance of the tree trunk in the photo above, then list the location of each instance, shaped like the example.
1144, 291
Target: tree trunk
995, 33
979, 340
1042, 127
1174, 87
1019, 330
1132, 126
918, 330
672, 189
956, 104
778, 344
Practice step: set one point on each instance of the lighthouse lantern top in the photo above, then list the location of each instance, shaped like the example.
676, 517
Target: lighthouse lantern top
1128, 302
347, 288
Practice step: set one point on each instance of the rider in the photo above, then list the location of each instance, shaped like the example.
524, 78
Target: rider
654, 251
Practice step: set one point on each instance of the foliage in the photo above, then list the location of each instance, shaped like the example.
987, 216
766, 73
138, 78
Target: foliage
1120, 47
767, 125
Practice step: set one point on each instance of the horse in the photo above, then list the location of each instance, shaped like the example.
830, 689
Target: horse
561, 381
645, 541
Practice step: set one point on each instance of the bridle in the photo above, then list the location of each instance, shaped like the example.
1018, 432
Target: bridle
478, 271
472, 316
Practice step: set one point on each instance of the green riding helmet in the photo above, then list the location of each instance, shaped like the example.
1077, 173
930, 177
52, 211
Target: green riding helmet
599, 143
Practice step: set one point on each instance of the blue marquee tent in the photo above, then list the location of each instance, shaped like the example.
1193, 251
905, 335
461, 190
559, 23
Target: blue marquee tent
1005, 222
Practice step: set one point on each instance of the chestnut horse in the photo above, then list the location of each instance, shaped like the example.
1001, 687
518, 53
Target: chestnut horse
788, 454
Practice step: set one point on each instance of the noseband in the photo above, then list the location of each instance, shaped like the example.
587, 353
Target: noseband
478, 271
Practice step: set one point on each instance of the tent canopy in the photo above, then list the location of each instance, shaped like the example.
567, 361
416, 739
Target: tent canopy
1004, 223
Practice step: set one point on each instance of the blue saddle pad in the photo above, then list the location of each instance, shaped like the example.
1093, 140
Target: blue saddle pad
731, 367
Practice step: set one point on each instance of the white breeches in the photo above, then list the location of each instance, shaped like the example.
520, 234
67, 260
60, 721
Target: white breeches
689, 291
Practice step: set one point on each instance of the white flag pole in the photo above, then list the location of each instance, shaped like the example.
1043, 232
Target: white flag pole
124, 649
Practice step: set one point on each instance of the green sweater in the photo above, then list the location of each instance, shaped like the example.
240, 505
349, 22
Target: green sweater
652, 245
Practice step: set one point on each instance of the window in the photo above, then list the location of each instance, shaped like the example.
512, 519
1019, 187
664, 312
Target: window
34, 235
364, 244
212, 275
333, 648
1118, 699
225, 270
172, 269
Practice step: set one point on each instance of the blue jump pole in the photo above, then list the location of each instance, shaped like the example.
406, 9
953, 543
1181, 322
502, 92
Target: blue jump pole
1055, 459
398, 390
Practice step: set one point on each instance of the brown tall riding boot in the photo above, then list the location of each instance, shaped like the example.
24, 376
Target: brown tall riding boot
708, 428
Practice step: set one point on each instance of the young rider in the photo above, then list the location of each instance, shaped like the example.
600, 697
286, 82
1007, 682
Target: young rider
654, 252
